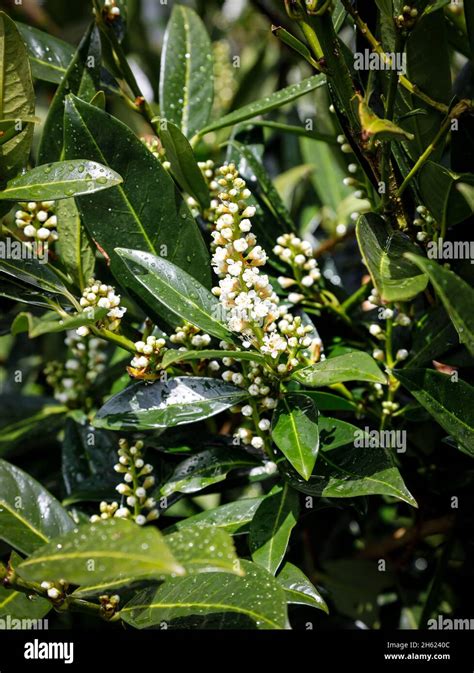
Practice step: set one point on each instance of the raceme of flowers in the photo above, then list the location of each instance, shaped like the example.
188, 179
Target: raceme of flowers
136, 504
38, 221
72, 380
251, 305
298, 255
100, 295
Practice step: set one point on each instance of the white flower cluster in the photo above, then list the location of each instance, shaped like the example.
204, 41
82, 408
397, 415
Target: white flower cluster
251, 305
99, 295
189, 337
427, 223
298, 254
147, 356
153, 144
38, 221
137, 480
72, 380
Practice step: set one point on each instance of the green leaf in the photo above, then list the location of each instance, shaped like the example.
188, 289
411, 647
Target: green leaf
457, 297
49, 56
383, 249
267, 104
60, 180
334, 433
201, 550
29, 515
73, 246
147, 211
349, 472
377, 128
438, 189
211, 600
17, 97
433, 336
295, 431
52, 322
43, 420
328, 401
294, 43
450, 402
206, 468
167, 285
30, 269
271, 527
178, 401
233, 517
354, 366
106, 550
175, 355
183, 163
88, 457
298, 588
429, 69
81, 79
187, 77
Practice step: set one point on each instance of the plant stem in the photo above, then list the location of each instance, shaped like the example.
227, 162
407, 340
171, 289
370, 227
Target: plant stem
117, 339
356, 298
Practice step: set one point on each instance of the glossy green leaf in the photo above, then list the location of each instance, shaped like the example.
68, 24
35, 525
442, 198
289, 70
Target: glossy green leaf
166, 285
38, 421
295, 431
60, 180
88, 456
29, 515
267, 104
178, 401
271, 527
32, 271
334, 433
429, 69
73, 246
294, 43
383, 249
449, 401
101, 551
206, 468
49, 56
354, 366
146, 211
183, 163
328, 401
438, 189
17, 97
298, 589
433, 336
349, 472
187, 78
174, 355
233, 517
201, 550
457, 297
81, 79
211, 600
51, 322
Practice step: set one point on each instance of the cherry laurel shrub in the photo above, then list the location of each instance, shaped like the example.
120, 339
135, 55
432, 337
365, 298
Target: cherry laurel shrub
237, 329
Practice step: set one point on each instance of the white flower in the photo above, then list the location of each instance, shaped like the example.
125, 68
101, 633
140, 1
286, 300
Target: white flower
307, 281
257, 442
240, 245
264, 424
375, 329
378, 354
402, 354
246, 410
82, 331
